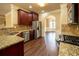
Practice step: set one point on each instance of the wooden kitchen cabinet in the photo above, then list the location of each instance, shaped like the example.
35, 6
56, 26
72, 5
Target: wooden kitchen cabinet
26, 18
32, 34
30, 19
35, 16
78, 12
23, 17
73, 12
13, 50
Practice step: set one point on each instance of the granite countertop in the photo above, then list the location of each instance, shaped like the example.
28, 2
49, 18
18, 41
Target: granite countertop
6, 41
12, 30
70, 33
68, 49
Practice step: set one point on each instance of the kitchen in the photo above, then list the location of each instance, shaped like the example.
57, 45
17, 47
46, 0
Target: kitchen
21, 30
27, 29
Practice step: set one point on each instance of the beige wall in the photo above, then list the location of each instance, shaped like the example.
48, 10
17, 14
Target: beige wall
43, 21
2, 21
64, 15
12, 15
8, 19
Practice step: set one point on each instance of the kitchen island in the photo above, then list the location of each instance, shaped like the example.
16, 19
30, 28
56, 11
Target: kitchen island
10, 43
68, 49
11, 46
12, 40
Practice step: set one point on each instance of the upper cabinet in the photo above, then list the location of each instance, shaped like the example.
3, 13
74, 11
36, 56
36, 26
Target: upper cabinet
23, 17
30, 19
35, 16
73, 13
26, 18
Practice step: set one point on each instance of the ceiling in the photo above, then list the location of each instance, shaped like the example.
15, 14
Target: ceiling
5, 7
48, 7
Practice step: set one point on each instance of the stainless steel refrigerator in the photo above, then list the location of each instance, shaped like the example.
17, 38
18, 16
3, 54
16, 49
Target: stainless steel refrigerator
37, 26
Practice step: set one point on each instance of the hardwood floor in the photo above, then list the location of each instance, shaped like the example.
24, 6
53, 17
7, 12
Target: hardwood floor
46, 46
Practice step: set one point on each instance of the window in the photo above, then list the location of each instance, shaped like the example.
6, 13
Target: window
52, 24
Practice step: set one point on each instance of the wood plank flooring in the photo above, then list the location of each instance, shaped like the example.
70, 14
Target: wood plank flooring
46, 46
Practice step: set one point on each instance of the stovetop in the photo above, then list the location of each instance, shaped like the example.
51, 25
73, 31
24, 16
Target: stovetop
71, 39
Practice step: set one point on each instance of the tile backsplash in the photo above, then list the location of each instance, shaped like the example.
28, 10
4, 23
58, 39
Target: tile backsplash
70, 28
2, 21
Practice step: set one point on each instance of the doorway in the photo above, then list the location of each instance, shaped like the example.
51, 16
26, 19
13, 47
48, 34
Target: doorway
51, 35
50, 23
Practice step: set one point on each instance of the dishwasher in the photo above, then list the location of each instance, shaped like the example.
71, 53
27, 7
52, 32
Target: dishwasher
26, 36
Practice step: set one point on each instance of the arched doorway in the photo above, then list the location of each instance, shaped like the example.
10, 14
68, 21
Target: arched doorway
50, 23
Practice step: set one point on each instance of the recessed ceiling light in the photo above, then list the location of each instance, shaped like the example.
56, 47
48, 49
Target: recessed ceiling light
41, 4
42, 11
44, 14
30, 6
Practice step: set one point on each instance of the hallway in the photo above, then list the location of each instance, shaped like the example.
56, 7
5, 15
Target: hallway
46, 46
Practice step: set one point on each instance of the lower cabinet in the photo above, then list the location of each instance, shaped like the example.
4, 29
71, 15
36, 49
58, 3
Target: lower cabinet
13, 50
32, 34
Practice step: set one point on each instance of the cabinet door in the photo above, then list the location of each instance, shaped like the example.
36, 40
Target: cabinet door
23, 17
31, 35
73, 13
13, 50
30, 19
78, 12
32, 32
35, 17
26, 18
10, 51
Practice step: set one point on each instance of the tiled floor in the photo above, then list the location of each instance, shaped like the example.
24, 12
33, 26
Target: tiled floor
46, 46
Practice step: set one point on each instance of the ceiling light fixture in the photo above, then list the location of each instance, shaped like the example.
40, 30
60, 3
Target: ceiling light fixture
44, 14
30, 6
42, 11
41, 4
